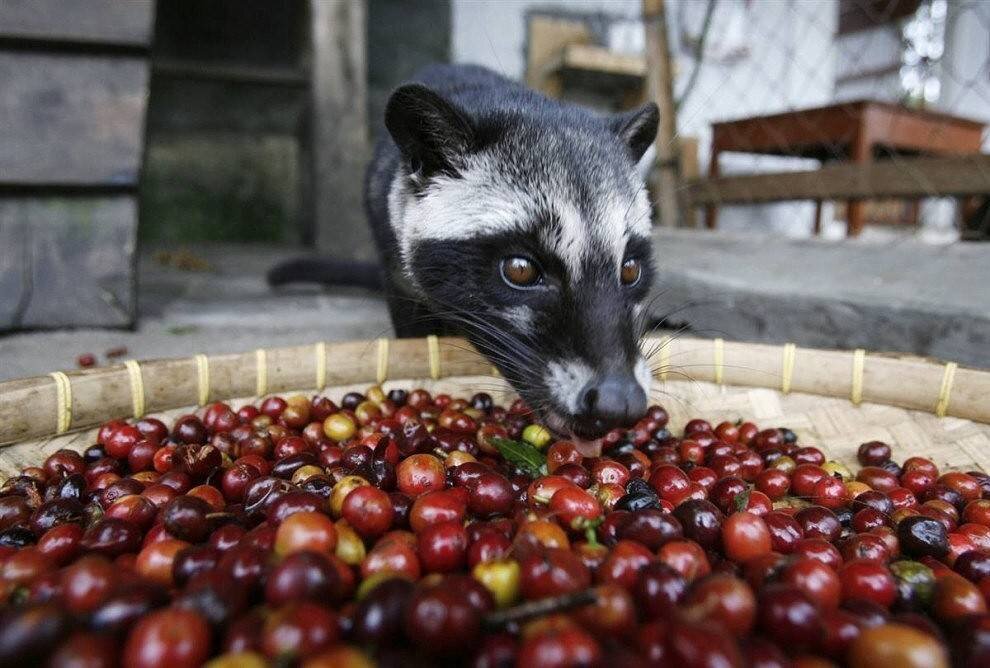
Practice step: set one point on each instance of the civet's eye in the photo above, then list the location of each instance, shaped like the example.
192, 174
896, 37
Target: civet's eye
520, 272
631, 271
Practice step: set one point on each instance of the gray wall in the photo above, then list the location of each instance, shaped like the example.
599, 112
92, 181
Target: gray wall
228, 158
403, 36
223, 158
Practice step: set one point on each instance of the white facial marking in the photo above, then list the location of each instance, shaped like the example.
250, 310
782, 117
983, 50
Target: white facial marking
644, 375
521, 318
565, 380
471, 206
482, 201
572, 244
639, 218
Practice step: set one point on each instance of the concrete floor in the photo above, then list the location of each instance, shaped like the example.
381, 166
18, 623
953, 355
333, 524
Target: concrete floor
229, 308
889, 293
883, 295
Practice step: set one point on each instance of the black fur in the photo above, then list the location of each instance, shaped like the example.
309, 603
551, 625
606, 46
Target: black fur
483, 107
430, 132
451, 119
345, 273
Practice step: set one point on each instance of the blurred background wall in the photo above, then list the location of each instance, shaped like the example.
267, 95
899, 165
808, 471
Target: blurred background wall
230, 127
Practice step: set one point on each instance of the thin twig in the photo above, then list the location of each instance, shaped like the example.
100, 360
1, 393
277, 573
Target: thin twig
543, 606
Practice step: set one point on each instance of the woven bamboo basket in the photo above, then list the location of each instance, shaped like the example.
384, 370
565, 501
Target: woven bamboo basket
833, 399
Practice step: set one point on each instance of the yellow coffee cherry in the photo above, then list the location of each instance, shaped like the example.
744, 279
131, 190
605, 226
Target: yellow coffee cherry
339, 427
298, 401
367, 412
456, 458
376, 394
304, 472
344, 486
544, 532
350, 548
501, 578
790, 502
544, 624
537, 435
431, 580
833, 467
854, 488
372, 581
340, 656
901, 513
897, 645
237, 660
785, 464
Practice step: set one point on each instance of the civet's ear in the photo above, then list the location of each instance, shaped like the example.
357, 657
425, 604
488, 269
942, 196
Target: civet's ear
637, 128
432, 133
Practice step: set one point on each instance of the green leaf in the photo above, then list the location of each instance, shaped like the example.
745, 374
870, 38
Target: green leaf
522, 455
742, 500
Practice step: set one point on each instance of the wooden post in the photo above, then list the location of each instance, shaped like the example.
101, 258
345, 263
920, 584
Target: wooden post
339, 126
660, 88
711, 211
861, 153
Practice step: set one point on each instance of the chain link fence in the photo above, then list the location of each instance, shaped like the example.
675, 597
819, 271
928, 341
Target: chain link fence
802, 117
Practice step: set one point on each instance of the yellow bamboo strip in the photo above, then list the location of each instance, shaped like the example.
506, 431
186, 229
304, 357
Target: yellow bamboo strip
63, 411
787, 368
856, 391
942, 405
382, 368
137, 387
261, 372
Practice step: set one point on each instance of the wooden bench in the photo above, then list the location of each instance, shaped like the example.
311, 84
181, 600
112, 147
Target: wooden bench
863, 132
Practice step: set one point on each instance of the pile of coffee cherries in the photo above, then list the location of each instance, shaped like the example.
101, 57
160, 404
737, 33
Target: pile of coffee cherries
398, 529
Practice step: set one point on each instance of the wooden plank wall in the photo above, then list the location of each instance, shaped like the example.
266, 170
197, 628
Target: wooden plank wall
72, 112
71, 119
100, 22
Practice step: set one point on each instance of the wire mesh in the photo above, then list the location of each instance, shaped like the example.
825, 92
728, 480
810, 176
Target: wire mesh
776, 86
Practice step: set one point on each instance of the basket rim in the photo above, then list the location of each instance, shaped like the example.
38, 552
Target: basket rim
66, 401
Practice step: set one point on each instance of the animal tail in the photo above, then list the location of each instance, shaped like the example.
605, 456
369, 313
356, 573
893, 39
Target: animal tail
327, 271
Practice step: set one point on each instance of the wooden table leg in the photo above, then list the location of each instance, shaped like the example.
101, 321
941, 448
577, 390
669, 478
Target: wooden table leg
854, 218
860, 154
968, 209
711, 211
914, 212
817, 230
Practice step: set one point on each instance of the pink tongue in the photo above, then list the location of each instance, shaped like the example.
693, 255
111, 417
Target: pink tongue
588, 448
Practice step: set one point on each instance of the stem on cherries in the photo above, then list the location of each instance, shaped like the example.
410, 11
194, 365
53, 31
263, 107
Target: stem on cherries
546, 606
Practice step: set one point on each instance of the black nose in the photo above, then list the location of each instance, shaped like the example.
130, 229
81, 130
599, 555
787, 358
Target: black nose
611, 401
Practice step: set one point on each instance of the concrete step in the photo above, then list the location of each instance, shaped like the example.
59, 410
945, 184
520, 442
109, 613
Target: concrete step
224, 307
899, 294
